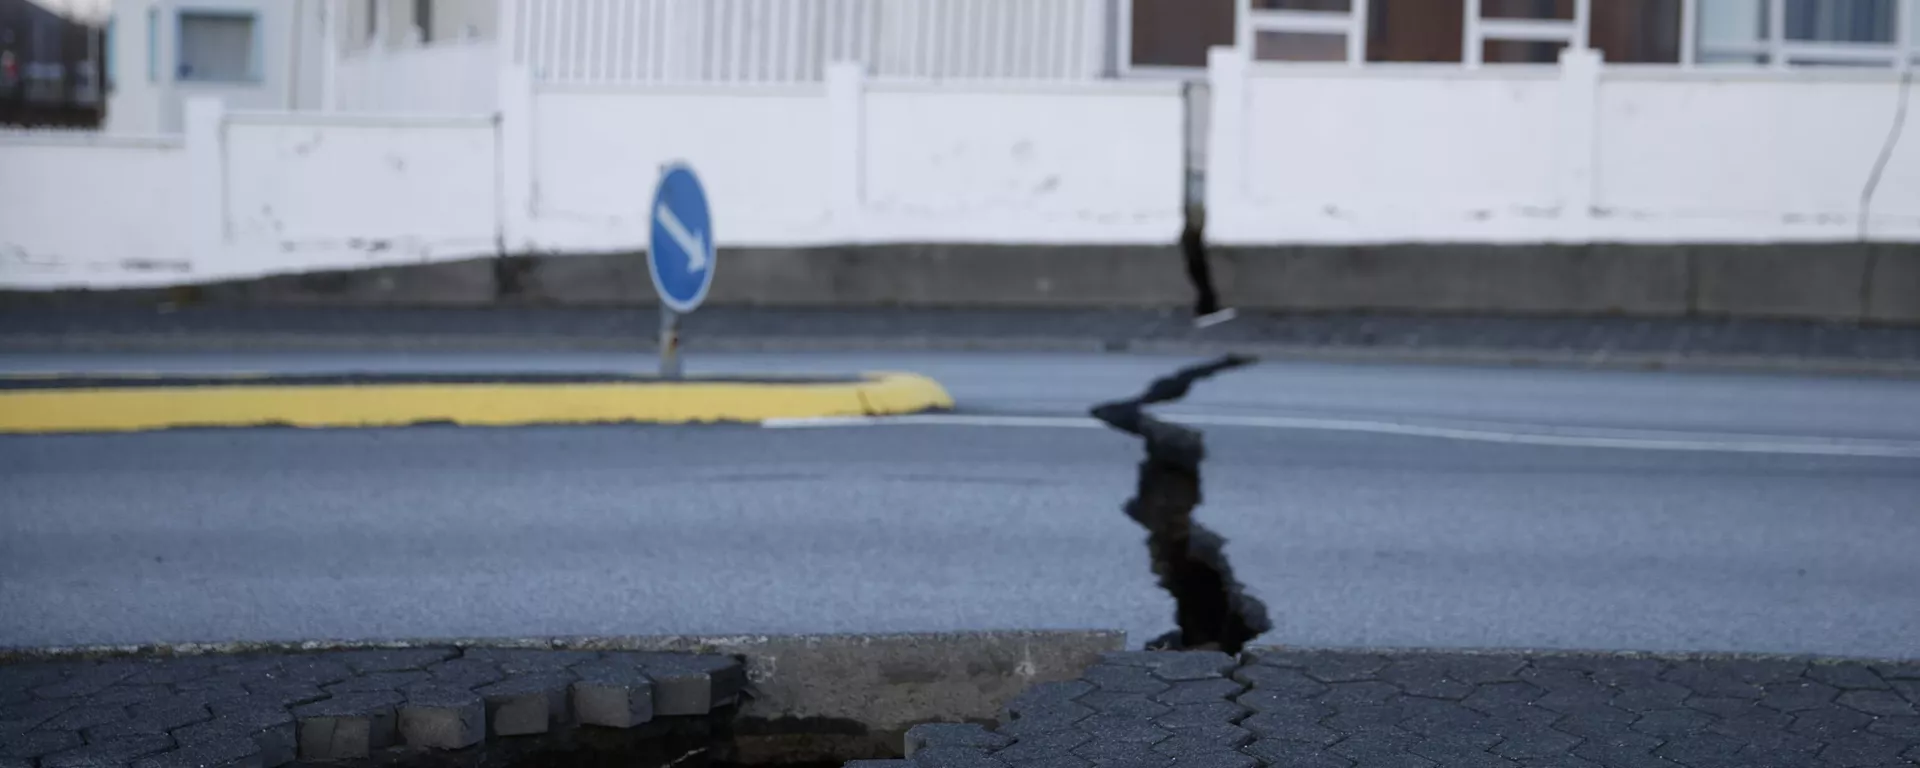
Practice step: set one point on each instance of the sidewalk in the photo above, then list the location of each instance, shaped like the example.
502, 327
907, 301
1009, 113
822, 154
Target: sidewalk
268, 710
1337, 709
1569, 341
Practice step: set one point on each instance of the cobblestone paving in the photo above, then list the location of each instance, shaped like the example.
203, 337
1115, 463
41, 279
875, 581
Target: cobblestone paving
262, 711
1314, 709
82, 327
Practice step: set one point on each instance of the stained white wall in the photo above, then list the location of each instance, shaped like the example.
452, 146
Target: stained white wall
1759, 157
92, 210
852, 161
1574, 153
303, 192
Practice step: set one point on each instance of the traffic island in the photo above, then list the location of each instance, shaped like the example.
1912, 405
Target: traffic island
135, 402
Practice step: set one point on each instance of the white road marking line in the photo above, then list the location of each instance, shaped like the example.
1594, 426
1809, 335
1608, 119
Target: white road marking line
694, 245
1544, 436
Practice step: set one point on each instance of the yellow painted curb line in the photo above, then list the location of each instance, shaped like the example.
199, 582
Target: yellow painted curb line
244, 403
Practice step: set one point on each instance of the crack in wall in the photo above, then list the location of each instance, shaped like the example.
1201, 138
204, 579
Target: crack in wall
1212, 609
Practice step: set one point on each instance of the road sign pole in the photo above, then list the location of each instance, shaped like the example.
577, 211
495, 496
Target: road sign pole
669, 343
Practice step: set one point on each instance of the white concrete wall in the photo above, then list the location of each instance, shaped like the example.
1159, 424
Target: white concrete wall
1760, 157
245, 194
1039, 163
303, 192
460, 77
571, 169
93, 210
852, 161
1576, 153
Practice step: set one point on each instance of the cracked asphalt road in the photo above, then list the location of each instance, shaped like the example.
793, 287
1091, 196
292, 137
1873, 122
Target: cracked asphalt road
1352, 539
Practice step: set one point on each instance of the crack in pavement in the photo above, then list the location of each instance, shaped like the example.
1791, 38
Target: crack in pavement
1212, 609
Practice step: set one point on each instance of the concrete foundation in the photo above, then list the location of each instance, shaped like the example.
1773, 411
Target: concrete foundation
1839, 282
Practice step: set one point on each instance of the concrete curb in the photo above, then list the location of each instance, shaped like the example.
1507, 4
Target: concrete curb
130, 402
1545, 358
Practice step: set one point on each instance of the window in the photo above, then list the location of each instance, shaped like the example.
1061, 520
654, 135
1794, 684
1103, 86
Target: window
218, 47
1637, 31
1308, 30
1178, 33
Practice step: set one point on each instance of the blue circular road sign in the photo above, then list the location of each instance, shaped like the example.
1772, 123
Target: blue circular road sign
680, 252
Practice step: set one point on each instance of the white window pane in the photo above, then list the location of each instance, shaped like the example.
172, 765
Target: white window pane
216, 47
1850, 21
1732, 22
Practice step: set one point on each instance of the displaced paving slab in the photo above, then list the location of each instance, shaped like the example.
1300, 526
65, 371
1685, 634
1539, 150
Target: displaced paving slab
264, 710
1363, 709
43, 403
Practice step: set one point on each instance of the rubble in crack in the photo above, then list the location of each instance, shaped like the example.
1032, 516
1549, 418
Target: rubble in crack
1213, 611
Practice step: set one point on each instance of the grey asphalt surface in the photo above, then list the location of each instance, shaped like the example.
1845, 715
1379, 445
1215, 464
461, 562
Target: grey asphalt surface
1353, 539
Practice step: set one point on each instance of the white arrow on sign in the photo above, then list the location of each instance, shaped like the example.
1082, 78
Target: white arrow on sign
694, 245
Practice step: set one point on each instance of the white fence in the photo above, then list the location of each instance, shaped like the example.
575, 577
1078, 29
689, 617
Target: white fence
787, 41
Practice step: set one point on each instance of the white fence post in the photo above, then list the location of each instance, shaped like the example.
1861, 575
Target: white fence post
846, 105
1226, 137
1579, 140
204, 127
514, 138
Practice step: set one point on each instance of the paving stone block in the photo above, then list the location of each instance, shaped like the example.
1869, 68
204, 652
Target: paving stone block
1293, 754
1881, 703
127, 695
1279, 680
152, 717
1202, 715
1324, 666
1208, 738
1436, 717
174, 670
1110, 728
1103, 752
612, 695
85, 681
877, 764
228, 753
954, 757
442, 718
1057, 761
1126, 704
26, 677
311, 670
528, 703
37, 743
1214, 760
393, 660
466, 673
1270, 726
1040, 746
1419, 677
1118, 679
273, 733
967, 735
14, 762
529, 661
1203, 691
378, 681
688, 684
280, 692
108, 753
348, 726
83, 716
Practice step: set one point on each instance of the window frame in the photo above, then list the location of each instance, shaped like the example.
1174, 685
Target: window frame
256, 53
